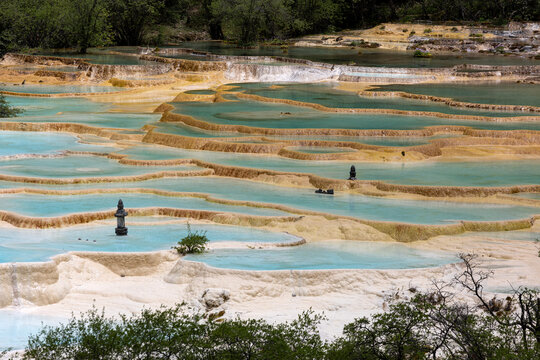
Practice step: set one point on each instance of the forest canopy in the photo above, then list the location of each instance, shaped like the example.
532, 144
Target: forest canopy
86, 23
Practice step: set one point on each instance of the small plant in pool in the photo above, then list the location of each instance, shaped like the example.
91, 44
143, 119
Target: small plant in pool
193, 243
422, 54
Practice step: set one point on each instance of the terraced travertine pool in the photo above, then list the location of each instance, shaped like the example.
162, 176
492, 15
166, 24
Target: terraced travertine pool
46, 183
282, 116
328, 95
30, 245
435, 173
368, 57
486, 92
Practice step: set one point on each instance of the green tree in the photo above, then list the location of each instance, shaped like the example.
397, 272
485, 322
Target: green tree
86, 21
130, 19
6, 110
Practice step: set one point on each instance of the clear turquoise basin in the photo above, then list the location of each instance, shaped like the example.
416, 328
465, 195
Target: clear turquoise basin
30, 245
325, 255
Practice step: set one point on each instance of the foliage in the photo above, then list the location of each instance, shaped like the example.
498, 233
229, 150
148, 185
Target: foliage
168, 333
82, 23
193, 243
432, 325
6, 110
422, 54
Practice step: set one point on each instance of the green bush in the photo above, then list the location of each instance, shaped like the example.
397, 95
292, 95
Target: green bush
454, 29
427, 31
6, 110
422, 54
192, 243
382, 27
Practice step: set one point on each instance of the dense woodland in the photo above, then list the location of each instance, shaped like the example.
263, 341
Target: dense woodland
85, 23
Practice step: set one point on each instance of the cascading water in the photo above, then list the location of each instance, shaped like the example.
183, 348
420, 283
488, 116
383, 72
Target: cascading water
276, 73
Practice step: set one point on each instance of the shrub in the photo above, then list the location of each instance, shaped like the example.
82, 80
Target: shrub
382, 27
412, 33
454, 29
422, 54
192, 243
427, 31
6, 110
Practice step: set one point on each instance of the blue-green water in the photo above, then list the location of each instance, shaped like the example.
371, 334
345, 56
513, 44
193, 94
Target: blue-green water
29, 245
59, 205
483, 92
471, 173
16, 326
281, 116
326, 94
57, 89
368, 57
78, 166
104, 58
507, 235
14, 143
53, 106
325, 255
358, 206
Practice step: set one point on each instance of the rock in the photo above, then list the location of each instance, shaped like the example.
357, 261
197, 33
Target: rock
212, 297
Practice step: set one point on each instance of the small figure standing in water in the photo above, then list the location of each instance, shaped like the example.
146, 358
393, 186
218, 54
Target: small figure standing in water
352, 173
120, 215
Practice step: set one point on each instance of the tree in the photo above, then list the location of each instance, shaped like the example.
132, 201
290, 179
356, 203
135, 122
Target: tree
86, 21
130, 19
7, 111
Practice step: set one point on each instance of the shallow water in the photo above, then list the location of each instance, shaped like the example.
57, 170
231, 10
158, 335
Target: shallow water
326, 94
325, 255
505, 93
507, 235
282, 116
104, 58
13, 143
472, 173
368, 57
320, 150
358, 206
78, 166
29, 245
33, 106
58, 89
16, 326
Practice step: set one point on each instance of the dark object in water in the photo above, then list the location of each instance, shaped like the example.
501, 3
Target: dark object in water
120, 215
403, 153
352, 173
327, 192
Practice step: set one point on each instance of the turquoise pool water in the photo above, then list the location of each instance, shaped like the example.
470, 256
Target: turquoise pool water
326, 94
78, 166
472, 173
359, 206
29, 245
16, 326
201, 92
104, 58
370, 140
507, 235
53, 106
535, 196
185, 130
281, 116
325, 255
483, 92
57, 89
369, 57
14, 143
50, 205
